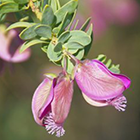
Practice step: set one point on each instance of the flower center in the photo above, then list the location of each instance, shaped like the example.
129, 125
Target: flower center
53, 127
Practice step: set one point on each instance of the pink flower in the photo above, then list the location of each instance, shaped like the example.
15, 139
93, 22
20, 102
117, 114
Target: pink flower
99, 86
9, 49
52, 99
51, 103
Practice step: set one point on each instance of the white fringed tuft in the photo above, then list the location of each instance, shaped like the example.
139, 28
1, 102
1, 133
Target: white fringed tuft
53, 127
119, 103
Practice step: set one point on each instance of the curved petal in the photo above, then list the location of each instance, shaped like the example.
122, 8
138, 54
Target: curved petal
126, 81
119, 102
97, 82
20, 57
61, 103
4, 46
94, 102
42, 99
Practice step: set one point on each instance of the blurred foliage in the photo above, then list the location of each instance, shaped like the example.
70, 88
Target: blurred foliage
122, 45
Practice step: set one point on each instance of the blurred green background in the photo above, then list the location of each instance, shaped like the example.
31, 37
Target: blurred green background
122, 45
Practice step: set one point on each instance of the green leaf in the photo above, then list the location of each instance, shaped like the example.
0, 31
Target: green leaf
90, 30
73, 45
72, 20
64, 37
19, 25
28, 33
80, 37
2, 17
72, 50
65, 22
115, 69
84, 26
79, 54
21, 1
44, 2
69, 67
68, 7
43, 31
111, 67
101, 57
28, 44
9, 7
48, 17
58, 48
55, 5
90, 33
108, 63
75, 25
52, 54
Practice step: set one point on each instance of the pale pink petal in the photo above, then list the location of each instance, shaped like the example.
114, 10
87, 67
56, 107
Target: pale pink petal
97, 82
94, 102
42, 99
4, 47
61, 103
20, 57
60, 106
119, 102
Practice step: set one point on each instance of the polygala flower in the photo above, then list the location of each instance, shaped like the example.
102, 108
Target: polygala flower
51, 103
9, 49
99, 86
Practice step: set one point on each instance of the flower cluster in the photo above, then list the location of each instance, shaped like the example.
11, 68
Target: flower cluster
100, 87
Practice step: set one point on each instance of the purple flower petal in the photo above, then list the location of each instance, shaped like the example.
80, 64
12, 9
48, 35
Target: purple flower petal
42, 99
20, 57
4, 46
97, 82
61, 103
9, 48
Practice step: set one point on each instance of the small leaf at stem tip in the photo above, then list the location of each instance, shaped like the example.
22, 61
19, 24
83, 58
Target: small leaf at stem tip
90, 30
84, 26
108, 63
101, 57
65, 22
115, 69
68, 7
28, 44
